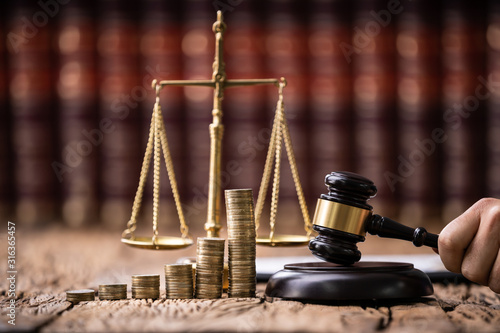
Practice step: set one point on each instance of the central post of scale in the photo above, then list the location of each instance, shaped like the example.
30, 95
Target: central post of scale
212, 225
218, 82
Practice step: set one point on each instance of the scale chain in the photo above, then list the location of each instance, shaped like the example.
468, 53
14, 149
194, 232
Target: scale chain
280, 131
171, 176
277, 163
156, 172
295, 174
157, 144
266, 177
132, 223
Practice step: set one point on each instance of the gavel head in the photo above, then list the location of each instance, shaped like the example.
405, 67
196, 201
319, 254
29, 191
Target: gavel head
340, 217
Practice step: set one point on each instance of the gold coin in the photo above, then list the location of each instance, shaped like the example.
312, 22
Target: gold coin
146, 286
209, 267
179, 281
241, 243
112, 291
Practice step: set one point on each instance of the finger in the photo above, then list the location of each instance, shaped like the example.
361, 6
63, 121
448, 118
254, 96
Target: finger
456, 237
494, 279
483, 250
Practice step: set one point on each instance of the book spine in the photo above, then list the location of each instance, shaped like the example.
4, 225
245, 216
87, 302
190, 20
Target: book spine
120, 95
6, 194
374, 89
246, 133
462, 62
80, 133
198, 56
330, 93
417, 48
160, 52
31, 98
286, 56
493, 100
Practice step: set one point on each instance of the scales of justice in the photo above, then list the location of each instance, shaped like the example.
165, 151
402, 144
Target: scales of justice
341, 219
157, 143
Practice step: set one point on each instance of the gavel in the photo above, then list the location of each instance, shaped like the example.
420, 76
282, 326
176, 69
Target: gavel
343, 217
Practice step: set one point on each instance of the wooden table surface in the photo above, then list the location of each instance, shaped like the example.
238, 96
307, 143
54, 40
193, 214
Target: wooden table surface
49, 262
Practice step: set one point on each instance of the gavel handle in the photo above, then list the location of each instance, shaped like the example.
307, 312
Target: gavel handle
385, 227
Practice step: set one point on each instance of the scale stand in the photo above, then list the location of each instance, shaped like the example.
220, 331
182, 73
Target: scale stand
158, 141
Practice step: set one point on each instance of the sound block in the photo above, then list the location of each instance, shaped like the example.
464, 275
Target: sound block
327, 282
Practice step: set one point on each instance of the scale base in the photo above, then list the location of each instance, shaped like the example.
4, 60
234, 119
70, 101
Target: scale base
323, 282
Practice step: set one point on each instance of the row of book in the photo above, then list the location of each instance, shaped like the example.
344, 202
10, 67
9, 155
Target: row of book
403, 92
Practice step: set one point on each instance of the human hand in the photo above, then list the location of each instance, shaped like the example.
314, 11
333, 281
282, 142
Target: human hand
470, 244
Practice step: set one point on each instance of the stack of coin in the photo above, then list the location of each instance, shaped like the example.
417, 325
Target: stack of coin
77, 296
179, 281
112, 291
241, 242
146, 286
209, 267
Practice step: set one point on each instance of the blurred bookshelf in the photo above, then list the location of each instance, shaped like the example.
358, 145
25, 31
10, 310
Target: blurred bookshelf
405, 93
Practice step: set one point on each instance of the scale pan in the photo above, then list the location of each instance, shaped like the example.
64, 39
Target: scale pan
284, 240
162, 242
